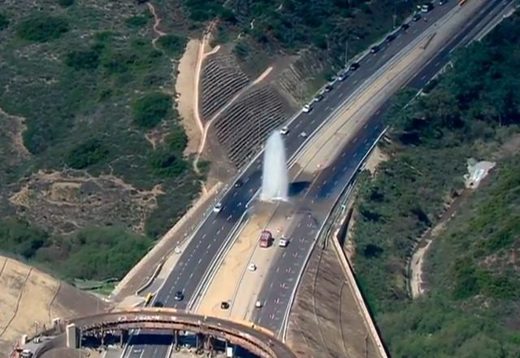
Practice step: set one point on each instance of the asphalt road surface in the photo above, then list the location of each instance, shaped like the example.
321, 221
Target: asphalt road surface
321, 197
213, 231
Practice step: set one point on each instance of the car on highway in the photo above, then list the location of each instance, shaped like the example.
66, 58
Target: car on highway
416, 17
427, 7
390, 38
442, 2
179, 296
328, 87
283, 242
224, 305
158, 304
342, 76
258, 304
354, 66
303, 134
251, 267
307, 108
284, 130
374, 49
319, 97
238, 183
217, 208
405, 27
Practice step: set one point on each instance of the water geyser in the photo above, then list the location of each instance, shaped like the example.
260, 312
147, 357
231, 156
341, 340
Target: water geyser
275, 178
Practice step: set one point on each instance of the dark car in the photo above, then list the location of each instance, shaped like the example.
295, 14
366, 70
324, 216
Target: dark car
179, 296
374, 49
328, 88
390, 38
238, 183
319, 97
158, 304
405, 27
224, 305
354, 66
442, 2
416, 17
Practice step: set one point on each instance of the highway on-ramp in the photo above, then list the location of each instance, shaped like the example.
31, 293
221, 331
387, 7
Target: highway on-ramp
321, 197
210, 237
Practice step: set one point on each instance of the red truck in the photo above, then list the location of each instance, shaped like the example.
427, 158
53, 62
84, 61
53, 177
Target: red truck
265, 238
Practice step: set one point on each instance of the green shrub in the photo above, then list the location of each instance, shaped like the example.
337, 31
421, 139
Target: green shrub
164, 163
137, 21
203, 10
177, 140
90, 152
42, 28
150, 110
118, 62
82, 60
65, 3
102, 253
18, 237
4, 22
173, 45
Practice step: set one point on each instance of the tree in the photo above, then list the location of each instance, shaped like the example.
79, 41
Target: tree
151, 109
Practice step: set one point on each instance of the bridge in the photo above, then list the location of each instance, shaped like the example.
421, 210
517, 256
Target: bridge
256, 340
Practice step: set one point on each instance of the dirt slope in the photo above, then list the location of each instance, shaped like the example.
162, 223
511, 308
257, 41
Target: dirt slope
30, 299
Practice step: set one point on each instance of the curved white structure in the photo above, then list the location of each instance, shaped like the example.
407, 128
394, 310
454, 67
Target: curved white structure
275, 178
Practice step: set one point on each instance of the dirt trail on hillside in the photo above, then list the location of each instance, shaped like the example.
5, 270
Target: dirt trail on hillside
157, 22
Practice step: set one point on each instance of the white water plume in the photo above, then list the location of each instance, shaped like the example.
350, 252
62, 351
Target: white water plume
275, 177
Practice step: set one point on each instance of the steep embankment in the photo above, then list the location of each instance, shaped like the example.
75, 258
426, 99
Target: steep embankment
31, 299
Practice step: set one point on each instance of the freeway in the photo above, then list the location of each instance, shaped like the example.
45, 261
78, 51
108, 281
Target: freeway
209, 238
282, 281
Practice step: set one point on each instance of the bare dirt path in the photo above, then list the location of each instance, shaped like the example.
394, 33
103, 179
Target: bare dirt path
157, 22
16, 127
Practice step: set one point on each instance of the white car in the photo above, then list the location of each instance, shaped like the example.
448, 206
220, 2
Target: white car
307, 108
251, 267
217, 208
284, 131
258, 304
283, 242
303, 134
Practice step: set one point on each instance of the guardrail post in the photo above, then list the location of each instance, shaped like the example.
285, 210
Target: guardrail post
72, 336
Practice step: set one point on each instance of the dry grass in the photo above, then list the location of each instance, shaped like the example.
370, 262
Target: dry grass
30, 299
325, 320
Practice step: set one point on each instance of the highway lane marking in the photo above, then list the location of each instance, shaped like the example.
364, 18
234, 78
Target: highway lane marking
218, 231
200, 260
204, 235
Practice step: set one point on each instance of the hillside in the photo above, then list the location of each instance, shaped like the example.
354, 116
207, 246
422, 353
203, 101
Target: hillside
93, 141
31, 299
472, 300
